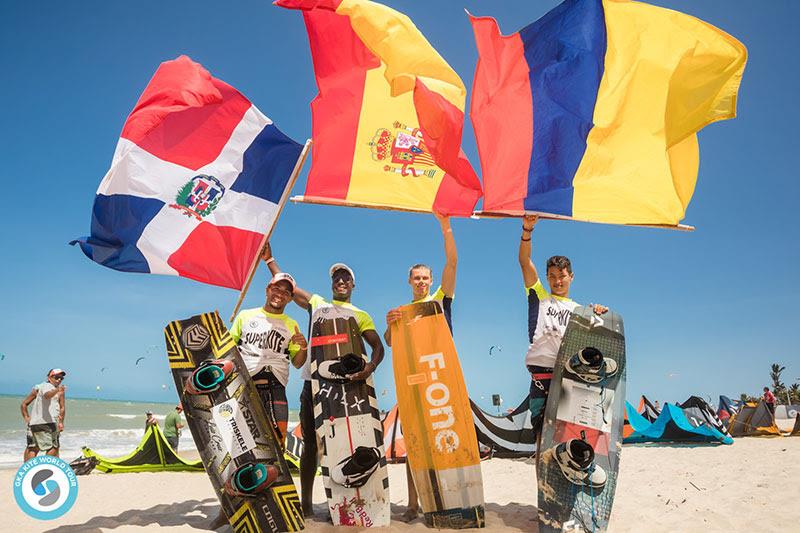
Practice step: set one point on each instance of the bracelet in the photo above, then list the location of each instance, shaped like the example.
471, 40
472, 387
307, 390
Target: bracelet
270, 260
524, 239
527, 229
448, 230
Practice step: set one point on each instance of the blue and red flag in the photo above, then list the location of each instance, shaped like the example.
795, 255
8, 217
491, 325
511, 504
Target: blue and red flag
195, 182
591, 112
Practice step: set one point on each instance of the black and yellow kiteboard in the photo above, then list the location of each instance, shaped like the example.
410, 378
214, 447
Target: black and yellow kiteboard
233, 432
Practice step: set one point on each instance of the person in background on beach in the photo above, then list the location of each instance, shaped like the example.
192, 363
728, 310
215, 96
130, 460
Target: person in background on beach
420, 278
548, 316
172, 427
769, 399
343, 281
658, 407
268, 339
150, 420
46, 420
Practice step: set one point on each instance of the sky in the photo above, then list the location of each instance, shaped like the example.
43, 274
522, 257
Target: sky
706, 313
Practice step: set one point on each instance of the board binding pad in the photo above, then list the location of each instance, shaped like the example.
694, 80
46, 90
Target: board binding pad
441, 443
593, 412
346, 418
230, 426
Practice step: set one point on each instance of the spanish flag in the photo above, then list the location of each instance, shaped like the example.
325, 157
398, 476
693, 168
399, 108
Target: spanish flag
388, 118
592, 111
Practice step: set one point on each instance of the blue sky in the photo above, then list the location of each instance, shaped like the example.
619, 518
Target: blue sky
705, 312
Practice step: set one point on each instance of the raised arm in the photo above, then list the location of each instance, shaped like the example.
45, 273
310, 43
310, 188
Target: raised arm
529, 274
300, 296
451, 257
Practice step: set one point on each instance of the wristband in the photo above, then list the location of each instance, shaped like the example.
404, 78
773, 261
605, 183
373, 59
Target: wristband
524, 239
448, 230
270, 260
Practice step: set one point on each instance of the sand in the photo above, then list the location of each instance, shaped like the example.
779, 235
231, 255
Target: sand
752, 485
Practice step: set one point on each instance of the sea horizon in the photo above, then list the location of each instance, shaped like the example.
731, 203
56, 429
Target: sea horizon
112, 428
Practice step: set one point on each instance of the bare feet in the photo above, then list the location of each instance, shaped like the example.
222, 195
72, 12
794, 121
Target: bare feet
410, 514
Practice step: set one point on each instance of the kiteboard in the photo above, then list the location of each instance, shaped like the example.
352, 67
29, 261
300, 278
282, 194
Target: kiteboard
581, 440
347, 422
441, 444
231, 429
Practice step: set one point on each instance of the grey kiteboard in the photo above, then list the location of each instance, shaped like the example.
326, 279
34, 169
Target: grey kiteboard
581, 441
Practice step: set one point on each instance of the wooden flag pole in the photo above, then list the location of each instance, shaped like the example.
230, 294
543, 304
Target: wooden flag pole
257, 259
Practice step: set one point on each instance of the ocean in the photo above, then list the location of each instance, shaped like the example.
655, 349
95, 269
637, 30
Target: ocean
111, 428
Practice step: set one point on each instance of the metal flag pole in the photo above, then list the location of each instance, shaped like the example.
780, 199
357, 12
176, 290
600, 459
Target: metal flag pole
256, 260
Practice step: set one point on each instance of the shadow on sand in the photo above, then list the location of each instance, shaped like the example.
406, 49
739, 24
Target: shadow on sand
199, 514
195, 513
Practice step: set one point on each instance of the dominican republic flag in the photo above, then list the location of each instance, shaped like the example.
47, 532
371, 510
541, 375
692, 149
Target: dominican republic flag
195, 182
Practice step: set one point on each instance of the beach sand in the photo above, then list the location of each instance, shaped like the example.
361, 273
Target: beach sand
751, 485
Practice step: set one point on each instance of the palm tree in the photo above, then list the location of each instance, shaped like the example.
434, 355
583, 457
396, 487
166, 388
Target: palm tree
778, 388
775, 375
794, 393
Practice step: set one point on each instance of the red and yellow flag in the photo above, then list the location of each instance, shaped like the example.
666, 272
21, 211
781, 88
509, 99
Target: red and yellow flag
388, 118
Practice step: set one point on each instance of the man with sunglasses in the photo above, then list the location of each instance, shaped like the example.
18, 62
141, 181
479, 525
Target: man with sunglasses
342, 285
46, 420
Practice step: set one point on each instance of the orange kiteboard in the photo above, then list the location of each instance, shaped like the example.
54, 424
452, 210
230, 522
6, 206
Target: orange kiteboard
439, 434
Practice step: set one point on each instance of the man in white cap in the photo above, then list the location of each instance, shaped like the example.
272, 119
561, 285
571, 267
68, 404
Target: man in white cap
268, 340
343, 281
46, 419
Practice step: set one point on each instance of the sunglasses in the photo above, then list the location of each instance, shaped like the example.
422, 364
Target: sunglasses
59, 378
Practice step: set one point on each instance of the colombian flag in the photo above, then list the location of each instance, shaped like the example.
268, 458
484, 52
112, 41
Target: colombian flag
592, 111
388, 118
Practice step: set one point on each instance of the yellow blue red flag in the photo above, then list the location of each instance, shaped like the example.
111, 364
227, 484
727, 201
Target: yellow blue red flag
591, 112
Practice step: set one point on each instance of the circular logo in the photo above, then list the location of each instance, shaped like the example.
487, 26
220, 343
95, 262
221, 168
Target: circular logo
225, 411
45, 487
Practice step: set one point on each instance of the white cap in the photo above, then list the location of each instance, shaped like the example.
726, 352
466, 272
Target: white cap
55, 372
342, 266
283, 276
